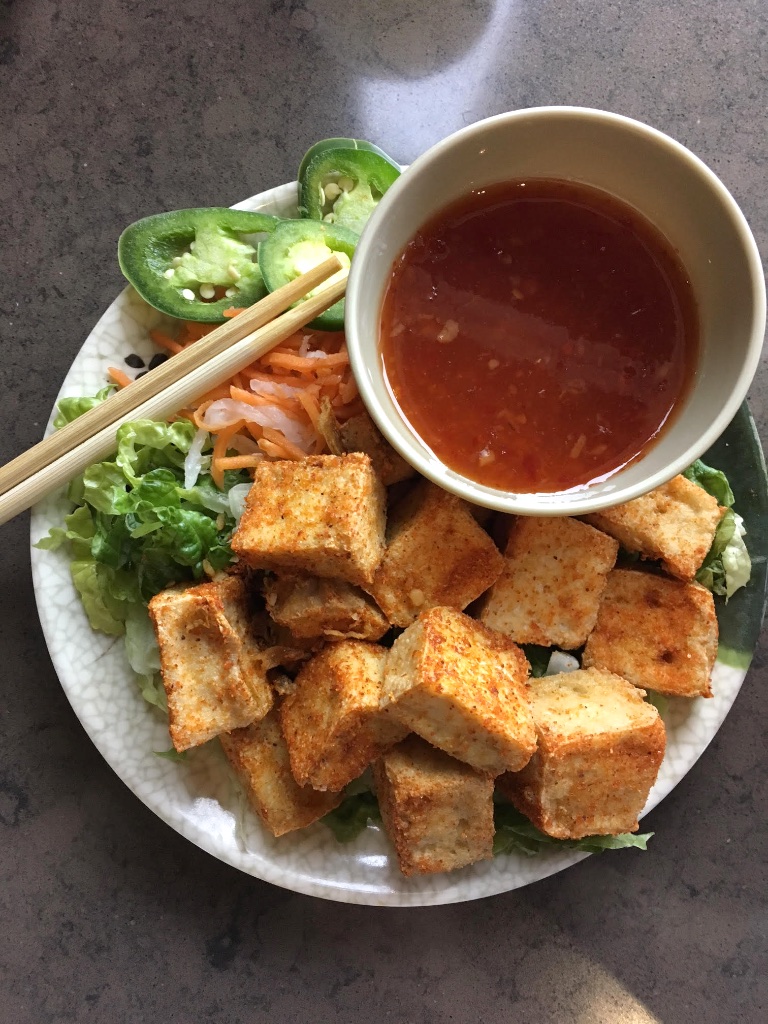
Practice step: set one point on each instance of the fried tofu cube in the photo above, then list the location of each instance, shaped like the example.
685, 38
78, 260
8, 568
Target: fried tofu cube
213, 679
658, 633
324, 516
675, 524
332, 722
436, 556
554, 573
600, 748
259, 756
312, 607
437, 811
462, 688
360, 434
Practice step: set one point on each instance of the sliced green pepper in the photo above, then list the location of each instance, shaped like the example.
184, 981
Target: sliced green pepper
296, 246
342, 180
181, 262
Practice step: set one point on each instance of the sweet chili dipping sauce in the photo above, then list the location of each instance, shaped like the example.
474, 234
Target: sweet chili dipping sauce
538, 335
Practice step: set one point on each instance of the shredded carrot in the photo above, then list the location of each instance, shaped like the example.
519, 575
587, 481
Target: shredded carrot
325, 373
233, 311
164, 341
240, 461
118, 377
220, 451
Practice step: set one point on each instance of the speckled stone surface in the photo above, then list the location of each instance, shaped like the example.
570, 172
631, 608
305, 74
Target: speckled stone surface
110, 110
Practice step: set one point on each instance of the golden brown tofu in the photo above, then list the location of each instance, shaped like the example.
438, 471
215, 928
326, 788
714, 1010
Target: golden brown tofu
332, 722
600, 748
658, 633
437, 556
554, 573
675, 524
437, 811
324, 516
360, 434
312, 607
260, 758
209, 660
462, 688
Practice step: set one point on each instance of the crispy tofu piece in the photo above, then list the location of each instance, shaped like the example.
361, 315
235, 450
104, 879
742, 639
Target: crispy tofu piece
210, 661
360, 434
437, 556
313, 607
332, 722
600, 748
437, 811
675, 524
462, 688
324, 516
658, 633
554, 573
260, 758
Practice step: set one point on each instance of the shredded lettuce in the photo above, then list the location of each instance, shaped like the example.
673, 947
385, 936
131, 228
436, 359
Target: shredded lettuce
136, 529
516, 834
538, 658
727, 566
659, 701
352, 815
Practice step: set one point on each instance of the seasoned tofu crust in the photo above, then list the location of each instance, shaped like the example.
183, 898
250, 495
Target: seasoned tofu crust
437, 811
549, 591
463, 688
259, 756
360, 434
674, 524
436, 555
600, 746
324, 516
213, 679
658, 633
312, 607
332, 722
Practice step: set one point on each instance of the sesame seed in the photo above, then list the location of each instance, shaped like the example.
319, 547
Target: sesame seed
493, 364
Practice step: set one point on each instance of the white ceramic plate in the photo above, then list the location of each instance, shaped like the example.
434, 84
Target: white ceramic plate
200, 798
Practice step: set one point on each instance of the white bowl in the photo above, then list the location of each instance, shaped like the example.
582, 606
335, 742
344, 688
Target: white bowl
649, 171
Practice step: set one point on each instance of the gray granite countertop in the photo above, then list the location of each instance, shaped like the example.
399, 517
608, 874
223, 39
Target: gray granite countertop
113, 109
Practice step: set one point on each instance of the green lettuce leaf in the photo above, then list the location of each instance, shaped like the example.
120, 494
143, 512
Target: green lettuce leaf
538, 658
714, 481
352, 815
727, 566
516, 834
659, 701
69, 409
136, 530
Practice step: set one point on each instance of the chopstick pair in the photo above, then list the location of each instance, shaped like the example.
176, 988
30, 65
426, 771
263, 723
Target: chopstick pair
168, 388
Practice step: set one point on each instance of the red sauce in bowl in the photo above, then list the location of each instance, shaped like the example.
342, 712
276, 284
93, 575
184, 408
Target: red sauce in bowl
538, 335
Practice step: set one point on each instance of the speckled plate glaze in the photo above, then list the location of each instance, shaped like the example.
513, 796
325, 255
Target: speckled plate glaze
201, 799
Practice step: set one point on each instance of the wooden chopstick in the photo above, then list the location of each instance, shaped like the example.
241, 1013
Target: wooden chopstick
165, 403
164, 376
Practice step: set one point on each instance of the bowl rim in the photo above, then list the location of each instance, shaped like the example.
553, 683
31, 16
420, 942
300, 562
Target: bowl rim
406, 441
